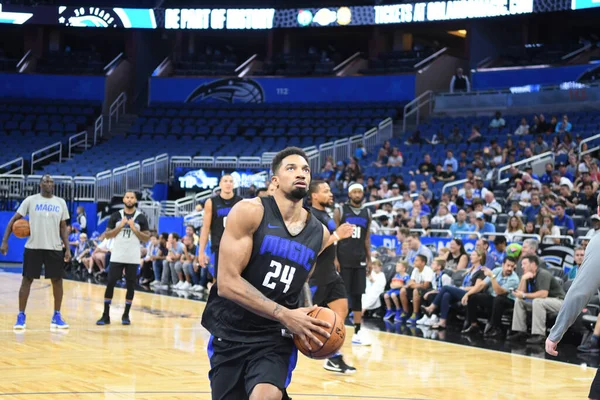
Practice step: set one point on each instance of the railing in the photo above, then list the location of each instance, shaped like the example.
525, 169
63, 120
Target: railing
63, 186
115, 61
16, 166
98, 128
453, 183
430, 58
133, 177
184, 206
414, 107
560, 237
119, 181
104, 190
23, 63
313, 159
243, 68
385, 130
152, 211
117, 108
84, 188
338, 68
527, 161
226, 162
371, 138
576, 52
78, 140
12, 186
586, 140
249, 162
341, 149
47, 152
463, 234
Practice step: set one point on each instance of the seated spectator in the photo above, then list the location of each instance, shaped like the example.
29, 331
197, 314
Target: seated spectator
440, 279
515, 210
499, 252
417, 248
450, 160
523, 129
564, 125
406, 203
565, 146
191, 232
457, 258
437, 138
493, 295
382, 158
100, 256
384, 191
549, 229
174, 254
443, 217
158, 258
480, 191
491, 208
475, 136
426, 193
538, 293
395, 160
450, 294
185, 264
393, 295
514, 229
578, 261
426, 167
588, 198
83, 252
360, 153
461, 225
375, 286
478, 220
455, 136
418, 285
563, 220
540, 146
146, 269
497, 122
424, 224
595, 226
483, 245
443, 176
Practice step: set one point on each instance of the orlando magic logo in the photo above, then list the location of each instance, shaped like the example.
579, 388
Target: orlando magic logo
96, 17
230, 90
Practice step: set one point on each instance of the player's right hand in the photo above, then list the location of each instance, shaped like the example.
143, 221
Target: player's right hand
345, 230
301, 324
203, 260
124, 222
4, 248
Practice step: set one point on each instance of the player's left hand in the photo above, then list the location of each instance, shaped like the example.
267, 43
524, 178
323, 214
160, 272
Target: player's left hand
131, 223
551, 347
68, 255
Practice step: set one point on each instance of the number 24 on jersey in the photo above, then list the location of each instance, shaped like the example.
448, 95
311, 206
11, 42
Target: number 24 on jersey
283, 274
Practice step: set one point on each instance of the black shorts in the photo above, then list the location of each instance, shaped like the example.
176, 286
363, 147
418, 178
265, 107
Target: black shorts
52, 260
355, 280
409, 293
115, 271
323, 295
236, 368
595, 388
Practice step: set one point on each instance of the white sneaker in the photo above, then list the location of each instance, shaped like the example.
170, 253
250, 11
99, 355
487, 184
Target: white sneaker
432, 320
361, 339
185, 286
198, 288
423, 321
178, 285
154, 283
162, 286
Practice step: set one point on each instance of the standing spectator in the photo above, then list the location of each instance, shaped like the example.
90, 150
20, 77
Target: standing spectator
493, 294
459, 82
497, 122
82, 219
450, 294
538, 293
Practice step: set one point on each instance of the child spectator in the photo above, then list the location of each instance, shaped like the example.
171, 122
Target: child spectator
375, 286
440, 279
393, 295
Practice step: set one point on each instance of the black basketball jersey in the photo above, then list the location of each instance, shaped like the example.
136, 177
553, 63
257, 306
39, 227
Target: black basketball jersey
220, 210
325, 272
351, 251
279, 266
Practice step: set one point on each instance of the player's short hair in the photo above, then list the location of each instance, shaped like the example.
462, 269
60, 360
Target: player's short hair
314, 187
44, 177
224, 175
132, 192
288, 151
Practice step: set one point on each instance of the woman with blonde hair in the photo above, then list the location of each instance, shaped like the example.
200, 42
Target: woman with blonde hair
514, 228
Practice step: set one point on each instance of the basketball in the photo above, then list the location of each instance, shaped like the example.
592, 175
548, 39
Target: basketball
21, 228
331, 345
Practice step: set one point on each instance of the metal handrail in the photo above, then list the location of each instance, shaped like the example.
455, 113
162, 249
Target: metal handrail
245, 63
346, 61
20, 168
57, 152
529, 160
417, 101
78, 142
468, 233
431, 57
586, 140
24, 58
561, 237
98, 128
114, 61
115, 109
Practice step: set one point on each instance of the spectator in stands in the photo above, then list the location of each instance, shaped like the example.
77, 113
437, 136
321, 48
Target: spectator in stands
475, 135
399, 281
450, 294
360, 152
480, 191
443, 217
459, 82
549, 229
450, 160
588, 197
595, 226
74, 236
461, 225
564, 125
562, 168
174, 254
382, 158
591, 345
493, 295
440, 279
538, 293
384, 192
491, 208
444, 176
419, 283
578, 261
426, 167
146, 262
540, 146
82, 219
455, 136
515, 210
159, 257
457, 258
563, 220
497, 122
191, 233
499, 252
417, 248
406, 203
426, 193
522, 129
514, 229
100, 256
83, 251
478, 220
375, 286
530, 213
425, 225
185, 263
395, 160
483, 245
566, 145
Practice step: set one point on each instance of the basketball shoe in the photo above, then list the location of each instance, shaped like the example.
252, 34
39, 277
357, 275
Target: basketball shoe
57, 321
337, 364
20, 321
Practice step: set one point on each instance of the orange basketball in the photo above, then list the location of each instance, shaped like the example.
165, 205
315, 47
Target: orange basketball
21, 228
331, 345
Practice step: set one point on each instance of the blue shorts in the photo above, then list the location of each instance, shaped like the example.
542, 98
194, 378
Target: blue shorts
393, 291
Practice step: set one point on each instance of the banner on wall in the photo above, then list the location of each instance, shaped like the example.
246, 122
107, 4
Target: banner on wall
52, 86
304, 90
269, 18
432, 242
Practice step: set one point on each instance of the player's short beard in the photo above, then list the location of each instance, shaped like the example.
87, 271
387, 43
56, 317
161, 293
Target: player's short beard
297, 193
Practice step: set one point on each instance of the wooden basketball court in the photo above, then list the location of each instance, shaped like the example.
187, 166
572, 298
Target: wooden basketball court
162, 355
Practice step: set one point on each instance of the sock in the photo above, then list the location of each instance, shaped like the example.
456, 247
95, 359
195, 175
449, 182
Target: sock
21, 312
107, 306
356, 328
413, 316
594, 339
338, 354
127, 307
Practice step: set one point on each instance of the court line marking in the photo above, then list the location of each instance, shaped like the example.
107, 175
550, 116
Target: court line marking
369, 330
196, 392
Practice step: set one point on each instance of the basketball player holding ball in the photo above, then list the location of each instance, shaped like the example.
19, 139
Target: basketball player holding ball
216, 210
326, 284
267, 253
354, 254
48, 216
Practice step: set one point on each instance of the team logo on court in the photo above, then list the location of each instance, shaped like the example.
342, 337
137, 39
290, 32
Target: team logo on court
230, 90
